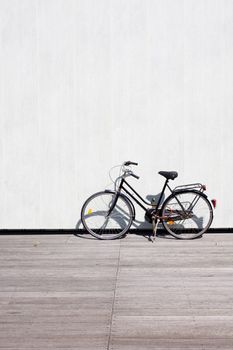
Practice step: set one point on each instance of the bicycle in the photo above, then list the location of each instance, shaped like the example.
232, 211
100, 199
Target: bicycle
186, 213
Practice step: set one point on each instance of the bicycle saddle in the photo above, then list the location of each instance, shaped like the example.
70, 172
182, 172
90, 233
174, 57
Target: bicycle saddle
170, 175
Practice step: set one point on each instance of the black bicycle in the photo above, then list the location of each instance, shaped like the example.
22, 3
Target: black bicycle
185, 214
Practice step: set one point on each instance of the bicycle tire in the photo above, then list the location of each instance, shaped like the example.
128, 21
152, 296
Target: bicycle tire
97, 222
185, 220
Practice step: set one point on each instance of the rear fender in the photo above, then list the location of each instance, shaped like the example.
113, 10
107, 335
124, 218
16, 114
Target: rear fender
179, 192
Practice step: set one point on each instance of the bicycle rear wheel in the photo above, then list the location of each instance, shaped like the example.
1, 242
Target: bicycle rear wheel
187, 214
104, 217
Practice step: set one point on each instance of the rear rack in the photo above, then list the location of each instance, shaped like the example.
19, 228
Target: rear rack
196, 186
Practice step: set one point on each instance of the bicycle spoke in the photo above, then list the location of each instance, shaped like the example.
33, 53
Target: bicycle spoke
104, 221
195, 212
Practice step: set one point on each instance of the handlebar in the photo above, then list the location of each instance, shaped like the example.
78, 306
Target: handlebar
129, 172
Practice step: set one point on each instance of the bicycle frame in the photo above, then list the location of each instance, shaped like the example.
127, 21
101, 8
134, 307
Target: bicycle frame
139, 200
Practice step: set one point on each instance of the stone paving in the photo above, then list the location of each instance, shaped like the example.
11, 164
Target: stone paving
68, 292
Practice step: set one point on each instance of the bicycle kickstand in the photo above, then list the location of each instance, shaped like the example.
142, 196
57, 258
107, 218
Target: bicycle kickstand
155, 223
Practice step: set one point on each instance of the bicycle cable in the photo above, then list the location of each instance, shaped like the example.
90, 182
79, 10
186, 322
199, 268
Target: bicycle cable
122, 172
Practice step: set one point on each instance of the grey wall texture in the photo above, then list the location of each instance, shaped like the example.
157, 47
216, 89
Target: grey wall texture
87, 84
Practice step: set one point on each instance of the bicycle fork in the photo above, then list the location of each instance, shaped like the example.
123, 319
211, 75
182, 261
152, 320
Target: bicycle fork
112, 205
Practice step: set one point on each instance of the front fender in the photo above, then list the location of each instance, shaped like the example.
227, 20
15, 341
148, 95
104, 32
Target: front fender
126, 198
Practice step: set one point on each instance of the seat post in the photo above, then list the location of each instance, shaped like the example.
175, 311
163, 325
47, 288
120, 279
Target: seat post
161, 195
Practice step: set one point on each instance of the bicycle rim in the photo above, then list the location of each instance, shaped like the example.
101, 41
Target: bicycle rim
188, 215
102, 222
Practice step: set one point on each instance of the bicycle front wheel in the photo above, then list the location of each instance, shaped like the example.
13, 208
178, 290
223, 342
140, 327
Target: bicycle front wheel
187, 214
107, 215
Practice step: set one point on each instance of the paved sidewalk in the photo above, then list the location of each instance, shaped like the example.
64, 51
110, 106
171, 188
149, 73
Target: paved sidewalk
66, 292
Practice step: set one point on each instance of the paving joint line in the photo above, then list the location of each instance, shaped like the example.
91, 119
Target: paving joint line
114, 298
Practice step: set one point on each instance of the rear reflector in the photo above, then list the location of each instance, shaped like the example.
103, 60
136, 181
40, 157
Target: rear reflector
204, 187
214, 202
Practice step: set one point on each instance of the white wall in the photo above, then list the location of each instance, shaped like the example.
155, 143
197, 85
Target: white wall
87, 84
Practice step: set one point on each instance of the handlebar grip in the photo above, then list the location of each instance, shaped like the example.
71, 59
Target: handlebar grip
130, 163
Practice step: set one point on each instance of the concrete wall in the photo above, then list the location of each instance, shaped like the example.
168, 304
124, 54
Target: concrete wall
87, 84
